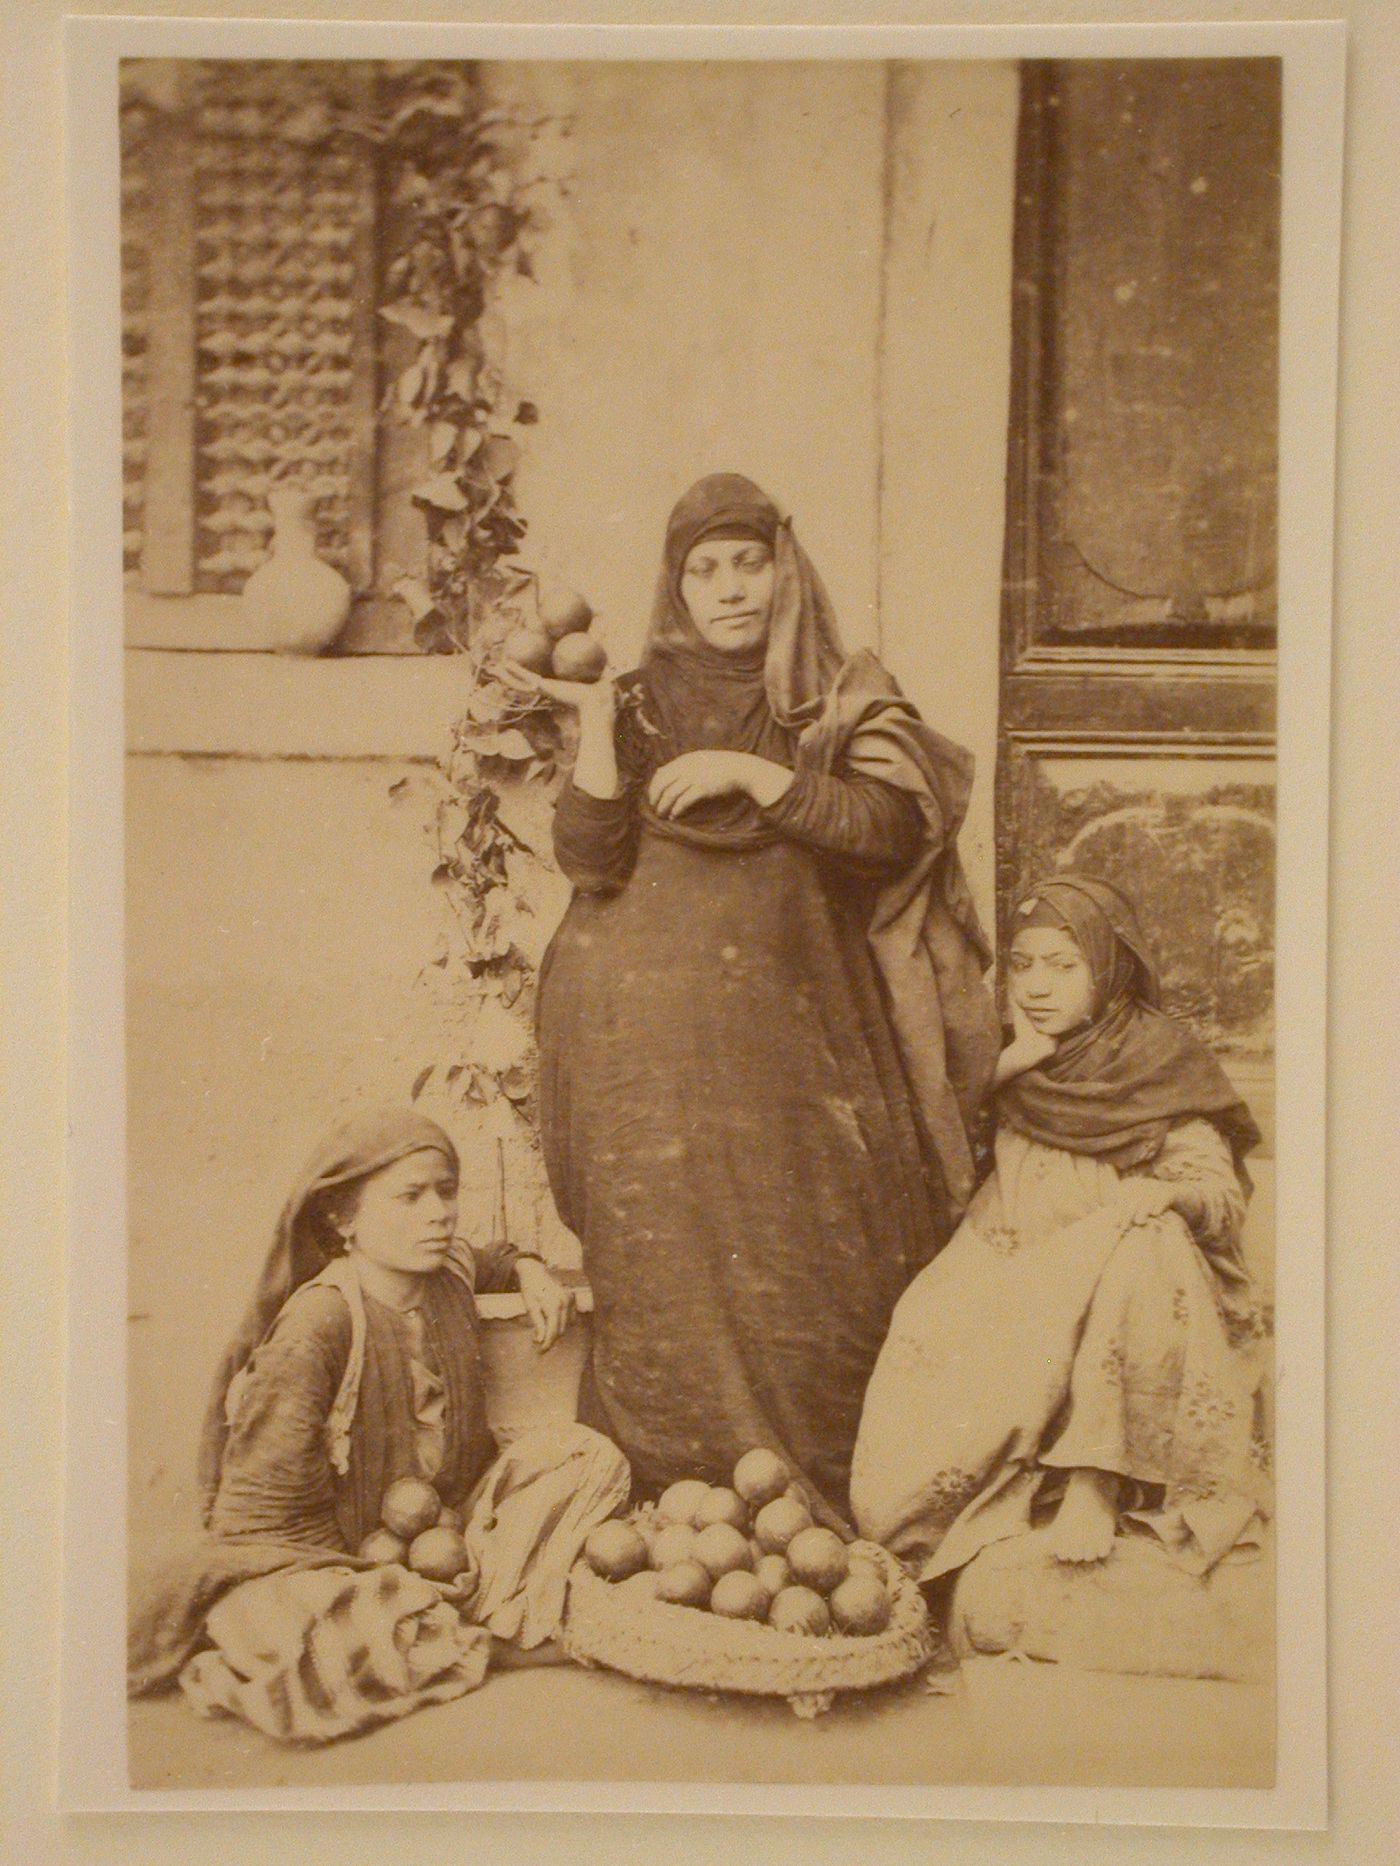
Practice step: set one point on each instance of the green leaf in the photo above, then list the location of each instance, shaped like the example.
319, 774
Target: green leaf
419, 600
442, 492
499, 456
425, 106
461, 380
511, 744
410, 385
417, 318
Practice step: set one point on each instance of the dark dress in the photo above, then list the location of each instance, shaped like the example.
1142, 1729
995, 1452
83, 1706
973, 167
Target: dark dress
727, 1124
280, 1505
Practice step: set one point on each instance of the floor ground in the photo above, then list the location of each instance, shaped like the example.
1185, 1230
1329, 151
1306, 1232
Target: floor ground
1000, 1722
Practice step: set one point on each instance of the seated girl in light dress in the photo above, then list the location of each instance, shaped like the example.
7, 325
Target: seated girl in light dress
1067, 1360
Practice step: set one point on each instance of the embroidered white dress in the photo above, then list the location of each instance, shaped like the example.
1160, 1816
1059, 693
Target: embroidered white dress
1048, 1336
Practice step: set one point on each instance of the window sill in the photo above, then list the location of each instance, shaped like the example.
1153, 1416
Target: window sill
252, 705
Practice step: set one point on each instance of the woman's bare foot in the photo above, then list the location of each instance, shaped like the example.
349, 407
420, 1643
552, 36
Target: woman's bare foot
1085, 1522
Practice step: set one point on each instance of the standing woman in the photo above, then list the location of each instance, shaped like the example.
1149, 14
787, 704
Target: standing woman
763, 1027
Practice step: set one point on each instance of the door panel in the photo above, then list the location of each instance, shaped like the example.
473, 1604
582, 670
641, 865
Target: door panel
1137, 686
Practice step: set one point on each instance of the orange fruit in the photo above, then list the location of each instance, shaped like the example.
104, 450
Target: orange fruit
410, 1506
529, 647
778, 1522
382, 1545
774, 1573
676, 1542
799, 1610
681, 1500
561, 611
615, 1550
859, 1604
760, 1477
440, 1554
868, 1566
722, 1506
739, 1596
684, 1584
720, 1548
818, 1559
579, 657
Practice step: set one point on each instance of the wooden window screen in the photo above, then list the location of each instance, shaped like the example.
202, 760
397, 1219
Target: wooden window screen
248, 247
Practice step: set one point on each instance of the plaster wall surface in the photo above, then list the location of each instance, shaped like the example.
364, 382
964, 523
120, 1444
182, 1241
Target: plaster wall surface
719, 291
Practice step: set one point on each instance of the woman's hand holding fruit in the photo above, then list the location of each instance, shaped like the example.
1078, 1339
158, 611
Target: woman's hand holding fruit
595, 702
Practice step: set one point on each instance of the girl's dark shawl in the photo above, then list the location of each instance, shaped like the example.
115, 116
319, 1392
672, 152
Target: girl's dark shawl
1114, 1087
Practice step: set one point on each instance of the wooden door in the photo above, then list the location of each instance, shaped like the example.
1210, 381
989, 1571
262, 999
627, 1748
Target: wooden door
1137, 686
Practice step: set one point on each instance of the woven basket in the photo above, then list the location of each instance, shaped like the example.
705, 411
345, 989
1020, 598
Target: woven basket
609, 1623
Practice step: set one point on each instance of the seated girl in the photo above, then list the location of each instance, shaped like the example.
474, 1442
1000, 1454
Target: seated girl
357, 1364
1067, 1360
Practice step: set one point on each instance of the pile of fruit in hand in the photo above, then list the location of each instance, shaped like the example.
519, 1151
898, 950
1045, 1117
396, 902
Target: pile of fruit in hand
557, 642
419, 1531
751, 1552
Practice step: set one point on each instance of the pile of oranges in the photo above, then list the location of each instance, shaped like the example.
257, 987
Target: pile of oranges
419, 1531
746, 1552
557, 641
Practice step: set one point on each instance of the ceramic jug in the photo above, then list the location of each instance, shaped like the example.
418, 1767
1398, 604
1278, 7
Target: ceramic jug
295, 602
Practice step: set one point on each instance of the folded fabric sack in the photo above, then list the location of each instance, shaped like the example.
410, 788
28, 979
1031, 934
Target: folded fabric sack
324, 1652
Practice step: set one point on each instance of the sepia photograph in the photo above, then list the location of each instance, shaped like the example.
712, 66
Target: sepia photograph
700, 643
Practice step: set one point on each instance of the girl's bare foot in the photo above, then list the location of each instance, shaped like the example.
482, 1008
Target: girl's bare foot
1087, 1517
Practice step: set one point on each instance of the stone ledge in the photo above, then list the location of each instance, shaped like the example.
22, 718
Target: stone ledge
254, 705
1139, 1611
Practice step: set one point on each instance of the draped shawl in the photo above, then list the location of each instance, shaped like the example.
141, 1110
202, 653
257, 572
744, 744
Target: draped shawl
1113, 1087
846, 711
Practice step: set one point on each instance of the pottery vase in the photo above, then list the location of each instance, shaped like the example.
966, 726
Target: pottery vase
295, 603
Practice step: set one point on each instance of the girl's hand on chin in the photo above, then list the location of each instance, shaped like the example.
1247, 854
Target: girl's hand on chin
1027, 1048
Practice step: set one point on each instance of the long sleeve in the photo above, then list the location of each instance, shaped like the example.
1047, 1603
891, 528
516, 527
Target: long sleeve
857, 817
595, 838
1195, 1158
495, 1268
275, 1483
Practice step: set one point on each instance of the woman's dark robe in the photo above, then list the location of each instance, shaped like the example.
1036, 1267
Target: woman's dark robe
727, 1123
